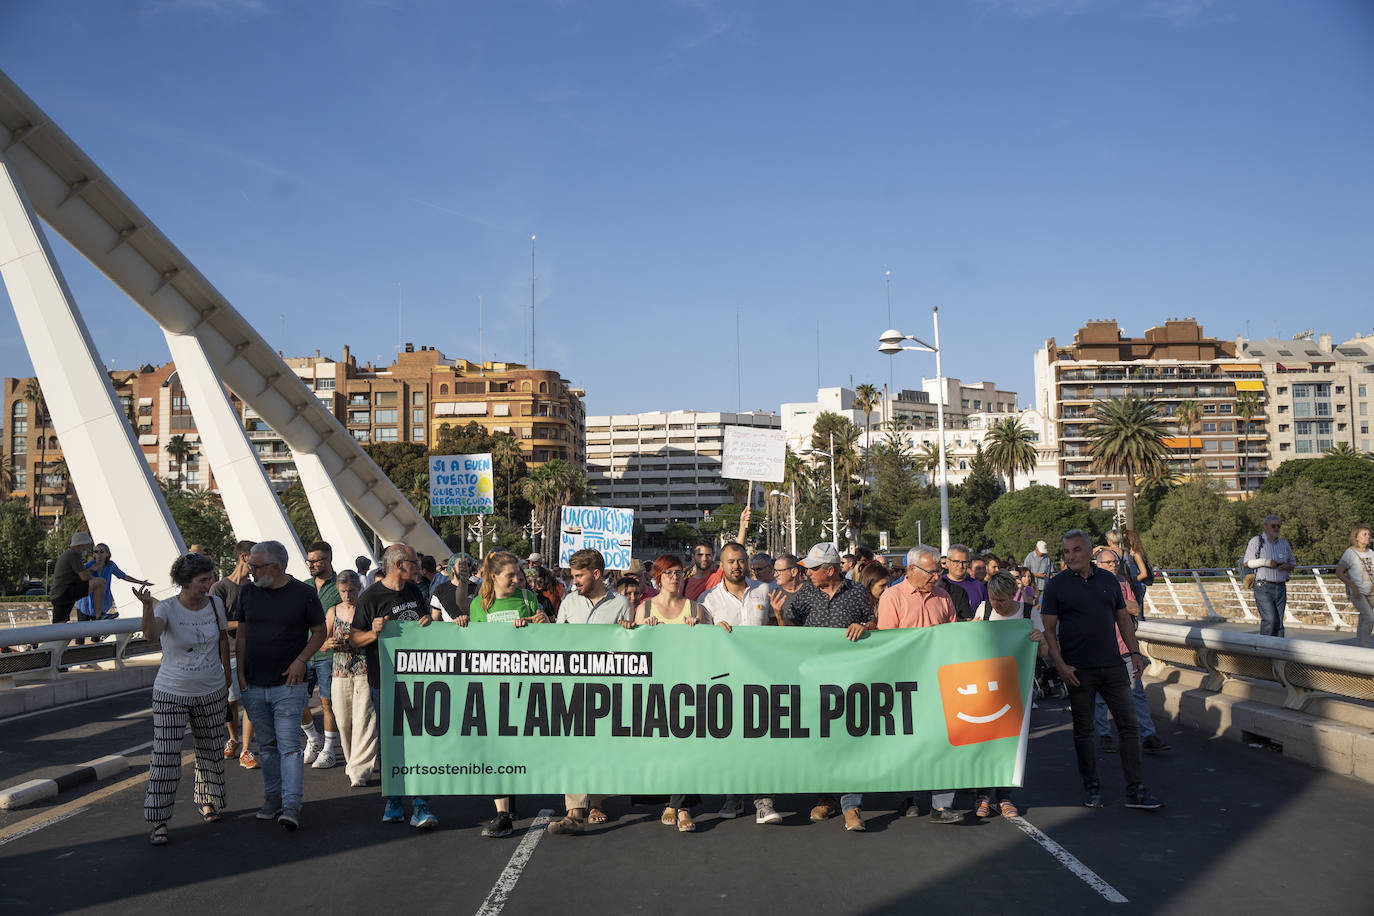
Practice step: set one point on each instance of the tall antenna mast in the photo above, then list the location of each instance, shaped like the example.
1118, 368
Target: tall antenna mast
891, 376
739, 389
481, 366
400, 334
531, 302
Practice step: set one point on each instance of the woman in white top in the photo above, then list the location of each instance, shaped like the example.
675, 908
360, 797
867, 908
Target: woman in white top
1356, 570
192, 683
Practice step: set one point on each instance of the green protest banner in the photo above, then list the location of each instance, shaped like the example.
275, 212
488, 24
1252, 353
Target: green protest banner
492, 710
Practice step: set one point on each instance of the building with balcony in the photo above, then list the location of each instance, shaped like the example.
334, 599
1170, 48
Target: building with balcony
1320, 393
664, 465
1171, 364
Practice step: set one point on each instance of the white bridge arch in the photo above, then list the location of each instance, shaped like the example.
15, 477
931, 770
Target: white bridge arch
45, 175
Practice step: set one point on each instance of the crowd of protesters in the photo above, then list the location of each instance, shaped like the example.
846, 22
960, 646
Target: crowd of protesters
264, 641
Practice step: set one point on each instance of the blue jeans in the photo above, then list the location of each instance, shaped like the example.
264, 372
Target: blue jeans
276, 716
1142, 708
319, 674
1272, 600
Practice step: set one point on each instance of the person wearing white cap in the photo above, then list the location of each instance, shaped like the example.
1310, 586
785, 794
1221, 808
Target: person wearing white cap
831, 600
534, 559
1040, 565
71, 581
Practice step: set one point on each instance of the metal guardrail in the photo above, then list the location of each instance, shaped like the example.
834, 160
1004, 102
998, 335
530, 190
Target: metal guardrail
46, 650
1315, 597
1305, 668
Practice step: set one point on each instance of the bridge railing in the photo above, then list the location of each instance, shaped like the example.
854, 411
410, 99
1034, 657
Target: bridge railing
1304, 668
46, 650
1315, 597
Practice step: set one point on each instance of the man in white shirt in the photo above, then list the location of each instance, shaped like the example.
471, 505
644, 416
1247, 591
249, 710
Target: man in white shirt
739, 601
592, 602
1271, 558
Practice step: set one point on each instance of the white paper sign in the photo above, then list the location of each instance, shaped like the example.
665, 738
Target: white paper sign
753, 453
608, 530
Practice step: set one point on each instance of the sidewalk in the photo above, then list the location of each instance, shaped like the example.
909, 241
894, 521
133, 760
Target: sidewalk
33, 694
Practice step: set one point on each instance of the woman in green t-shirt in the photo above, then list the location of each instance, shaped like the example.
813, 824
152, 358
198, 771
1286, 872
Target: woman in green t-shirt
500, 598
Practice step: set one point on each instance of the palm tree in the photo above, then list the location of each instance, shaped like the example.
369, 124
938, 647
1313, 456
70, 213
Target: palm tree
505, 458
60, 471
1127, 440
33, 393
1187, 415
6, 475
928, 458
866, 399
831, 427
1247, 408
1342, 450
180, 451
1011, 448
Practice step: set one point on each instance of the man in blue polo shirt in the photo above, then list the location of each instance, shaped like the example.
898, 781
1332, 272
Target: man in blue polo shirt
1082, 610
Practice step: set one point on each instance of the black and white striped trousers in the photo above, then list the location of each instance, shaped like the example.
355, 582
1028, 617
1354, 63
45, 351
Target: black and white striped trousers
170, 714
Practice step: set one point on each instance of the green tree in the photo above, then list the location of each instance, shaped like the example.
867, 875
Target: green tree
298, 512
1248, 407
20, 539
981, 488
200, 517
180, 451
1017, 520
1350, 479
965, 525
508, 464
894, 482
1316, 522
1127, 441
1151, 497
845, 435
1187, 415
38, 409
6, 475
1343, 450
1196, 527
401, 462
1011, 448
866, 399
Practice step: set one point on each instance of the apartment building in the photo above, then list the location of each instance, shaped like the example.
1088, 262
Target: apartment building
906, 409
1170, 363
1320, 393
155, 403
962, 444
664, 465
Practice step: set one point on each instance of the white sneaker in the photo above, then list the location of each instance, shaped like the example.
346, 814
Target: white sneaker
325, 760
312, 750
766, 815
733, 807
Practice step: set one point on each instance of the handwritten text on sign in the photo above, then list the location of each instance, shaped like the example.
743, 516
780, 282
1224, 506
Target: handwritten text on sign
600, 528
461, 485
753, 453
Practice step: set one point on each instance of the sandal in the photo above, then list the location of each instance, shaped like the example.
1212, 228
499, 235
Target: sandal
1009, 810
669, 817
209, 814
684, 821
596, 816
984, 808
159, 835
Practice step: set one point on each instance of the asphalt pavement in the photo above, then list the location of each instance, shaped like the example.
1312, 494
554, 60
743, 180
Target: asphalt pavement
1243, 830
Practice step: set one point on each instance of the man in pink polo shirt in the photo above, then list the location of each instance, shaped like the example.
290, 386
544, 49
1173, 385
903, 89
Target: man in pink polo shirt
919, 601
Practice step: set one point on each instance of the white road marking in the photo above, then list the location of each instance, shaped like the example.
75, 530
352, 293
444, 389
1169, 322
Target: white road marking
137, 714
1067, 859
496, 900
34, 828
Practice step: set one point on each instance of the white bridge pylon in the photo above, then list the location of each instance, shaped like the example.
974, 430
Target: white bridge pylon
78, 201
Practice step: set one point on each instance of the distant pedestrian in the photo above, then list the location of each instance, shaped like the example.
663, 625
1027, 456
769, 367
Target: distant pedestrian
71, 581
1356, 570
107, 569
227, 590
1139, 573
1079, 608
1271, 558
192, 684
281, 624
1040, 566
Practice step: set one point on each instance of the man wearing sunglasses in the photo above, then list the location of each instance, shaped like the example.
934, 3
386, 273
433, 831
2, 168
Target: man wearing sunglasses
281, 624
1271, 558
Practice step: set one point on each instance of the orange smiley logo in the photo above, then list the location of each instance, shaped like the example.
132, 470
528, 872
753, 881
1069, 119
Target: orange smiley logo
982, 700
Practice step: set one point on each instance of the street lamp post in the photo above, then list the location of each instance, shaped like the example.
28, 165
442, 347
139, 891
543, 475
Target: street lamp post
791, 514
891, 342
834, 495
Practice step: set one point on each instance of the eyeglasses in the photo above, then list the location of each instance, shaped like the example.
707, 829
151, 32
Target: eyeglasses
257, 566
954, 562
675, 573
922, 569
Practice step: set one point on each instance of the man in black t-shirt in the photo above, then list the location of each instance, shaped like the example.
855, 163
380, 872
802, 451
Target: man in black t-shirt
394, 596
280, 625
1083, 609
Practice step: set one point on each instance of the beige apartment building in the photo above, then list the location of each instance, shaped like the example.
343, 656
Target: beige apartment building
1320, 392
1170, 363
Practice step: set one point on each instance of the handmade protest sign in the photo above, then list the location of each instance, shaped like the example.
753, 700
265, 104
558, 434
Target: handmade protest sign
491, 710
600, 528
461, 485
752, 453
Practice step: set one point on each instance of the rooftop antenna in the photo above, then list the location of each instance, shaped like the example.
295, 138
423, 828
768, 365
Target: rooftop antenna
531, 302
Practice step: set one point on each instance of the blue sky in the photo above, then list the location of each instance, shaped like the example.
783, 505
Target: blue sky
1025, 165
